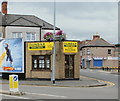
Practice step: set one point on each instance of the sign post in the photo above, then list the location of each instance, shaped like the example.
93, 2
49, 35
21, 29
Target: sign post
13, 83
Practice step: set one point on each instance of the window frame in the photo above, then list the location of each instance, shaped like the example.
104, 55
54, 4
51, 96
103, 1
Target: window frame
109, 51
16, 34
43, 62
1, 35
31, 36
88, 51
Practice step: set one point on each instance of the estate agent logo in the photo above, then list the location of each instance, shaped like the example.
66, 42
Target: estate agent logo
40, 46
70, 47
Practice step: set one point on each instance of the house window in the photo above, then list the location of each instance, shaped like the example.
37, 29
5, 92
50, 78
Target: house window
1, 35
83, 52
41, 62
88, 51
17, 35
30, 36
109, 51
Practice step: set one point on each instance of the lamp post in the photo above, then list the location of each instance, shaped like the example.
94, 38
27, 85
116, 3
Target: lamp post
54, 47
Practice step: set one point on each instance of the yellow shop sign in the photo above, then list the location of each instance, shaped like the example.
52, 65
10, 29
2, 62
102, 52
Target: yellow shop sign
40, 46
70, 47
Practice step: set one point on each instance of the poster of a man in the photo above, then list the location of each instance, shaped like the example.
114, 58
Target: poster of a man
8, 53
11, 55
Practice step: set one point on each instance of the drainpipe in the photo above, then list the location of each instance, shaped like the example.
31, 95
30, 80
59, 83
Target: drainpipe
40, 32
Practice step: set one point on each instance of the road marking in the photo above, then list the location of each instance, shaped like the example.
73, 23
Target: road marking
46, 95
108, 83
15, 96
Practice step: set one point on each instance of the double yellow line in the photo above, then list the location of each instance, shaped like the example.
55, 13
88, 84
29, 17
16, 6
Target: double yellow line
107, 82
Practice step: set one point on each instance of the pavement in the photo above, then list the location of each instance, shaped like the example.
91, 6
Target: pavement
82, 82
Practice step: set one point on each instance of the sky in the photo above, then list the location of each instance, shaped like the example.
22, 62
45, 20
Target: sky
79, 20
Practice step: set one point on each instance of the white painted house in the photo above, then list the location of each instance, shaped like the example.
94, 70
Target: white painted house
29, 27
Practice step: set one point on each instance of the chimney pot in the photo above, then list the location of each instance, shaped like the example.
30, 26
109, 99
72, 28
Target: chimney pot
4, 7
96, 36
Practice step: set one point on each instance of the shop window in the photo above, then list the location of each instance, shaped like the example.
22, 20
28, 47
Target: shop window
41, 62
17, 35
109, 51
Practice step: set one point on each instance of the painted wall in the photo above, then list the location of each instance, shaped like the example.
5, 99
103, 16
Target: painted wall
24, 30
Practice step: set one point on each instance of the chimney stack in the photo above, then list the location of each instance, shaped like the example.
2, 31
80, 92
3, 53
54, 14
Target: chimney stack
4, 7
96, 36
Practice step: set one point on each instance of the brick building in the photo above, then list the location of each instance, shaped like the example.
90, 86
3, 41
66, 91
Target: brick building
98, 53
39, 59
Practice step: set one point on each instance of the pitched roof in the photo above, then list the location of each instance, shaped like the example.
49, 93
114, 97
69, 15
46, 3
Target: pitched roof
98, 43
24, 20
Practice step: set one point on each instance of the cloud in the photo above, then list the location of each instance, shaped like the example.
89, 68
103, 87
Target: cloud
79, 20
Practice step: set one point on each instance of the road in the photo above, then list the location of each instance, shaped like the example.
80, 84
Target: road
35, 92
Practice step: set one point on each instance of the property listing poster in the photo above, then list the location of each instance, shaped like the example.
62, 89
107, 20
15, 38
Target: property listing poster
11, 55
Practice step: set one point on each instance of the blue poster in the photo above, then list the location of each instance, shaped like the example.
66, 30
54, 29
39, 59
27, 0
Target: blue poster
11, 55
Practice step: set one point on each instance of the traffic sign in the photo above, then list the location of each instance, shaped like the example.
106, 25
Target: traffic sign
13, 83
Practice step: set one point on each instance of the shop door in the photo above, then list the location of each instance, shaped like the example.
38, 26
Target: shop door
69, 66
88, 64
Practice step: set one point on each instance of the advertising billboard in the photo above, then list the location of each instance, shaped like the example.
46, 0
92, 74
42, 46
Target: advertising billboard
11, 55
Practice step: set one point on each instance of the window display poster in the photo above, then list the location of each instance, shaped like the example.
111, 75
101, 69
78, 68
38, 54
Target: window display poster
11, 55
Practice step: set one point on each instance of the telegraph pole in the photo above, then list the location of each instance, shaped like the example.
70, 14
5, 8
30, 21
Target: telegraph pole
54, 47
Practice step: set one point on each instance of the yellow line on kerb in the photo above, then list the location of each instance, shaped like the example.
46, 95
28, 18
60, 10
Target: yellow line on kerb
108, 83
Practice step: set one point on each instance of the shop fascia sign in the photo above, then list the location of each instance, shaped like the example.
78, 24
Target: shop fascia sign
70, 47
40, 46
106, 58
98, 58
112, 58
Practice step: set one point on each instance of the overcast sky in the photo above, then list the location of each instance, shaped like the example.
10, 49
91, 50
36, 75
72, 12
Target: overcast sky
79, 20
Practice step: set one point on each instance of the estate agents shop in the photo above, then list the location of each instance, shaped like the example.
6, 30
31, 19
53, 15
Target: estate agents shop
39, 57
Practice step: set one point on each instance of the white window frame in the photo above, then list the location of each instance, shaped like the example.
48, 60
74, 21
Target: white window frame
88, 51
31, 36
16, 34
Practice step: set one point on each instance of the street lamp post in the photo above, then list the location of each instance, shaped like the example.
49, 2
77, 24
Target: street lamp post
54, 47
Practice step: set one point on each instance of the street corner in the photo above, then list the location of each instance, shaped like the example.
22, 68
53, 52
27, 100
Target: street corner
100, 82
